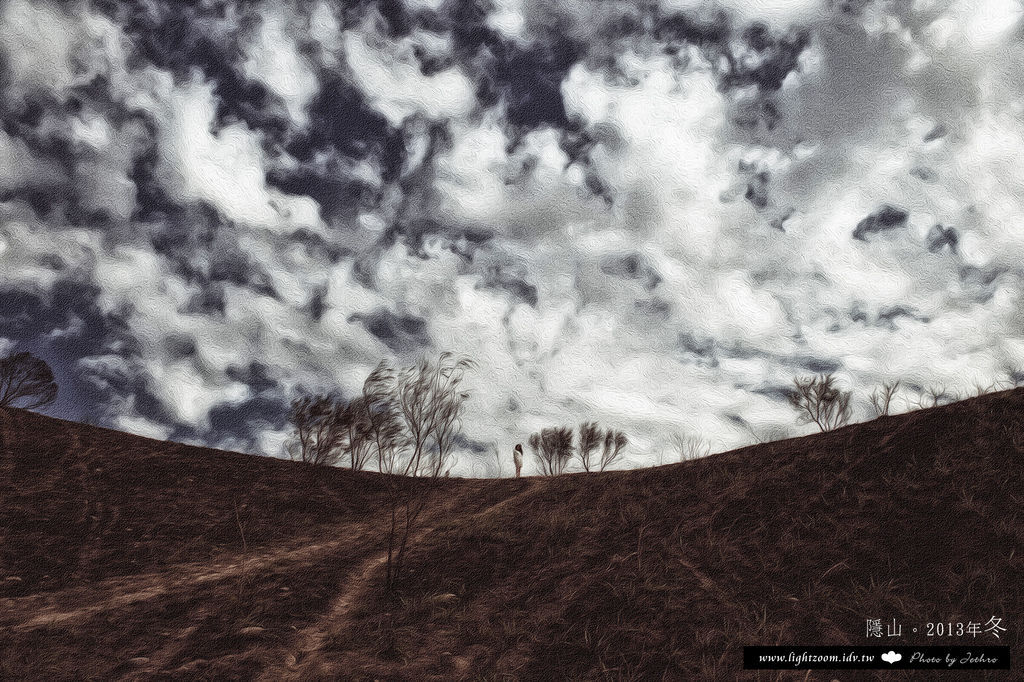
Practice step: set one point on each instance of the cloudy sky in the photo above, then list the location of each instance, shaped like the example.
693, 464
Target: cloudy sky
653, 214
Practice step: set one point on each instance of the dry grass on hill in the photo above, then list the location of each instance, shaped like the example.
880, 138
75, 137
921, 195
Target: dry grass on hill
128, 558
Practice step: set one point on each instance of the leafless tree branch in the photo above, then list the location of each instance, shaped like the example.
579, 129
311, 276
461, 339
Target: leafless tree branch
820, 401
26, 379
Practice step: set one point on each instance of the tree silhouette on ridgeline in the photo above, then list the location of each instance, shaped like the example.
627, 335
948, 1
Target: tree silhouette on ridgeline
26, 381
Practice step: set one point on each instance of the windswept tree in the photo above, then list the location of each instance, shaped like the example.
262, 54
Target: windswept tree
327, 429
981, 389
820, 401
430, 400
384, 424
357, 429
414, 416
590, 438
614, 443
553, 449
318, 431
688, 447
26, 381
935, 395
881, 398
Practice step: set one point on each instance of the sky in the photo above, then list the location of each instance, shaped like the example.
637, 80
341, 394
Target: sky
652, 214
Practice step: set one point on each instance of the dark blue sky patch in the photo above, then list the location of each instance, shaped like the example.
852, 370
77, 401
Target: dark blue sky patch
598, 187
777, 57
209, 300
467, 21
186, 231
414, 233
196, 245
800, 361
981, 276
255, 374
474, 446
940, 237
886, 218
936, 133
318, 247
514, 283
46, 134
179, 346
340, 119
888, 315
654, 308
631, 266
340, 197
48, 197
701, 351
981, 283
778, 393
317, 304
577, 141
467, 242
152, 203
364, 270
264, 410
818, 365
677, 29
528, 81
757, 190
401, 333
36, 322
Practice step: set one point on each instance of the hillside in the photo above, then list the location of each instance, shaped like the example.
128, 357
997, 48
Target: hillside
127, 558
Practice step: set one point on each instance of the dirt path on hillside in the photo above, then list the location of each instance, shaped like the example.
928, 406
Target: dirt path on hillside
311, 640
46, 609
76, 606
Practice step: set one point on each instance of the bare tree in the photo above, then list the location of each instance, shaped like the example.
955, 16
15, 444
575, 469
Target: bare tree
553, 449
881, 398
614, 443
26, 379
935, 395
357, 426
384, 424
589, 440
414, 414
820, 401
318, 433
430, 401
995, 385
690, 447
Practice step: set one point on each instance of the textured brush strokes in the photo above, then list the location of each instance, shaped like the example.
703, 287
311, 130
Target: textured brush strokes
649, 214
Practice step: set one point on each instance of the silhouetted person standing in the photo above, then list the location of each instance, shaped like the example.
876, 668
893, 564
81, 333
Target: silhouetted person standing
517, 457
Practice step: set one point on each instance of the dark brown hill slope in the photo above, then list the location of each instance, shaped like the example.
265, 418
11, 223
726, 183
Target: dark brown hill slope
124, 557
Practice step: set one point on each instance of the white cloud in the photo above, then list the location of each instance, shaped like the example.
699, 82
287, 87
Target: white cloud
102, 173
34, 256
272, 57
39, 41
389, 74
509, 19
226, 168
47, 50
668, 303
